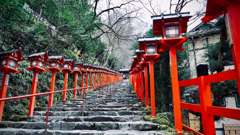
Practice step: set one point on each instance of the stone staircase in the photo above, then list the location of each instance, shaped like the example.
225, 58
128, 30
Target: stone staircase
116, 115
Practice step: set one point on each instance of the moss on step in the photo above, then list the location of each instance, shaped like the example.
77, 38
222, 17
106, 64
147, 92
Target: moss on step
147, 118
19, 118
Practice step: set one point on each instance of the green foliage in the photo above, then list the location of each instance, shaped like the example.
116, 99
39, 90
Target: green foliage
59, 27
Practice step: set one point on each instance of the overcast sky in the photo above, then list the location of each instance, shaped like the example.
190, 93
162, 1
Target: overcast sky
160, 6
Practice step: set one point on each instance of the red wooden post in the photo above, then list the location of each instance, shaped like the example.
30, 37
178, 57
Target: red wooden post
99, 76
135, 82
107, 82
206, 101
82, 90
234, 20
52, 87
91, 81
146, 86
34, 89
95, 79
75, 85
65, 85
152, 89
176, 92
3, 92
139, 85
76, 70
67, 68
142, 91
86, 81
102, 83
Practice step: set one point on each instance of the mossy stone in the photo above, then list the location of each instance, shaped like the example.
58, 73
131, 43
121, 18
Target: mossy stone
163, 127
19, 118
161, 121
147, 118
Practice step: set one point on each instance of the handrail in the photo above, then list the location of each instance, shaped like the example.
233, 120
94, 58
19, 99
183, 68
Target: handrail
205, 107
45, 93
50, 93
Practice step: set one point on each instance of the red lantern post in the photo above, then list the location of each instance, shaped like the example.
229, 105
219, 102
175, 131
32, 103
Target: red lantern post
8, 64
171, 27
37, 63
86, 67
145, 65
139, 56
150, 45
95, 76
67, 68
76, 71
82, 84
54, 66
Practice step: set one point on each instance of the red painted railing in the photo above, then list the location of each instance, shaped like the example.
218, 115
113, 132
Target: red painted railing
205, 108
50, 94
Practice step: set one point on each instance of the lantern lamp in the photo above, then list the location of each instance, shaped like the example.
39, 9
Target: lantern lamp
90, 67
77, 66
85, 67
139, 54
170, 25
55, 62
9, 60
149, 45
37, 62
67, 65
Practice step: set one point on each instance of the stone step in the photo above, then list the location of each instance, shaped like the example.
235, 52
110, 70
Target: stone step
86, 108
88, 113
110, 106
63, 108
139, 125
83, 118
108, 109
16, 131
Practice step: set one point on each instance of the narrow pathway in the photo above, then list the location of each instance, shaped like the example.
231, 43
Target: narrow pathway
117, 115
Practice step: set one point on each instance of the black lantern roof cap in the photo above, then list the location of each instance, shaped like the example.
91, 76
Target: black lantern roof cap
78, 62
69, 60
37, 54
9, 51
170, 16
144, 39
55, 57
13, 51
140, 51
